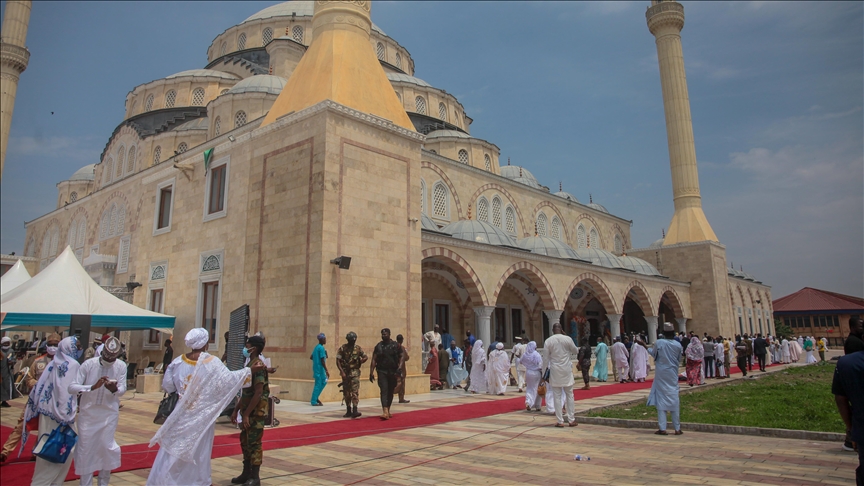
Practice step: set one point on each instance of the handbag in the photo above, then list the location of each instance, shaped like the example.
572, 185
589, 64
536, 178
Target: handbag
56, 446
541, 389
166, 406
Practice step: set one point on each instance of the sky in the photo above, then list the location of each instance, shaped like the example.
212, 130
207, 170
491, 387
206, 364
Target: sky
569, 90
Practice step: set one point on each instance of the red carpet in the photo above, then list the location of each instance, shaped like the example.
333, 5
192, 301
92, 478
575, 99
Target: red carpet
139, 456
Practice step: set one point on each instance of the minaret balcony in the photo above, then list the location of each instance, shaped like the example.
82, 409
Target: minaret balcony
16, 56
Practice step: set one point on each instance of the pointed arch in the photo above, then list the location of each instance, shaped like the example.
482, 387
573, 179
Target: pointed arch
565, 233
581, 220
641, 296
538, 279
673, 299
446, 180
601, 290
463, 270
512, 203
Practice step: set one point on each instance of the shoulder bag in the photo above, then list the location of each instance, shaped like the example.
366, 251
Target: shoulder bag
166, 406
56, 446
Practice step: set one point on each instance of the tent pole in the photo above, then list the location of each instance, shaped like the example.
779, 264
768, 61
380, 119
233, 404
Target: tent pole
79, 325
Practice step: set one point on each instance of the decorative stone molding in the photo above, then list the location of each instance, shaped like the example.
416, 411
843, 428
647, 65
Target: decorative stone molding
16, 57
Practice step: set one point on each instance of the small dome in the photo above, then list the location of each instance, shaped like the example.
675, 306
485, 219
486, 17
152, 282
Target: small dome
407, 79
262, 83
480, 232
598, 207
657, 243
520, 175
286, 9
600, 257
638, 265
566, 195
544, 245
86, 173
201, 123
427, 224
447, 133
212, 73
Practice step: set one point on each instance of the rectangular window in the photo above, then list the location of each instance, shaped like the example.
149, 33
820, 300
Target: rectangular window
123, 254
740, 325
822, 322
217, 190
516, 322
500, 324
164, 218
156, 296
210, 308
836, 321
442, 316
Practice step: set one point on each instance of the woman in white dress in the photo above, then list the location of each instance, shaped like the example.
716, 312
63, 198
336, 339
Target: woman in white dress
478, 368
532, 361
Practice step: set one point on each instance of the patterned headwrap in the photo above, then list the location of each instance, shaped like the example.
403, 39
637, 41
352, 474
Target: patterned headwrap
197, 338
321, 336
111, 348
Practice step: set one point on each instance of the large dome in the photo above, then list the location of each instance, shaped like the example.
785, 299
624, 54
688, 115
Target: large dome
212, 73
521, 175
544, 245
600, 257
262, 83
566, 195
86, 173
408, 79
295, 8
638, 265
480, 232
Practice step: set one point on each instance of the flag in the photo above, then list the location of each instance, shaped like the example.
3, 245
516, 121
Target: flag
208, 156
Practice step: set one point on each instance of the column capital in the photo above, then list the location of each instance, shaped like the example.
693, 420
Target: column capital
553, 315
682, 324
484, 310
652, 328
615, 324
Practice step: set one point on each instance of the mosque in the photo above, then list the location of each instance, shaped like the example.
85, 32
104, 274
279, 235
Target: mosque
265, 179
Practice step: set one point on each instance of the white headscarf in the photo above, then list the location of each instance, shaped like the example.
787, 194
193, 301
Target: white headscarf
532, 359
478, 352
50, 396
197, 338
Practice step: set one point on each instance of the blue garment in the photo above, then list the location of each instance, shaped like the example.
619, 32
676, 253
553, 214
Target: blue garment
574, 332
601, 368
472, 339
849, 382
457, 373
318, 372
664, 390
446, 338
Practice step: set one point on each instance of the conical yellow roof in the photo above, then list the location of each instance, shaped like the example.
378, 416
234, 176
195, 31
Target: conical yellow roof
340, 65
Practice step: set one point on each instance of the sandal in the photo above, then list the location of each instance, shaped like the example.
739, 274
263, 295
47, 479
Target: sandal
661, 432
678, 432
559, 425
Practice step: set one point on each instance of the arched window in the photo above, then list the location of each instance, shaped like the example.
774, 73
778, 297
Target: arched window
420, 104
108, 171
556, 228
105, 224
182, 147
198, 97
121, 162
241, 42
440, 201
463, 156
112, 221
223, 91
120, 224
224, 49
266, 36
398, 61
148, 105
82, 232
594, 238
581, 239
30, 249
76, 233
541, 224
73, 196
170, 98
217, 126
619, 245
483, 210
157, 155
72, 234
55, 240
510, 220
442, 111
46, 245
496, 211
239, 119
297, 33
422, 196
487, 162
130, 160
379, 50
134, 107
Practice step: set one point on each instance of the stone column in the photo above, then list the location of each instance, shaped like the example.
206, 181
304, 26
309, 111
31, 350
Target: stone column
682, 324
615, 324
14, 58
652, 328
483, 323
553, 316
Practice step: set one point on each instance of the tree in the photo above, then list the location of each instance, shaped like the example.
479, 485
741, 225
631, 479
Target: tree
782, 329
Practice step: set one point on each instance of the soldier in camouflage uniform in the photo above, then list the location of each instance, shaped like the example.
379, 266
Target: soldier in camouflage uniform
348, 360
253, 407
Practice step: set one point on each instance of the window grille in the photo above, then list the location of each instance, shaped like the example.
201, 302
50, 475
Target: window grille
556, 228
157, 155
73, 197
130, 160
46, 245
488, 162
239, 119
266, 36
218, 126
297, 33
120, 227
112, 221
541, 225
241, 42
55, 241
121, 161
463, 156
398, 61
109, 170
224, 49
73, 234
420, 103
595, 239
619, 246
439, 201
442, 111
483, 210
379, 50
510, 219
198, 97
148, 105
182, 147
580, 237
82, 229
496, 211
170, 98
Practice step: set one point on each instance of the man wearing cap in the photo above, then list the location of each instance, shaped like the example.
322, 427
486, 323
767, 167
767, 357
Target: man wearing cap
319, 370
100, 382
348, 360
91, 350
518, 351
251, 413
664, 390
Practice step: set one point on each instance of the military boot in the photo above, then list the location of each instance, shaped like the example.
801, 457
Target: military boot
348, 412
254, 479
355, 413
244, 475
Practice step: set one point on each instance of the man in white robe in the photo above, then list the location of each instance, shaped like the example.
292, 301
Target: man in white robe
518, 351
620, 359
185, 440
478, 368
558, 350
638, 361
100, 382
499, 363
784, 351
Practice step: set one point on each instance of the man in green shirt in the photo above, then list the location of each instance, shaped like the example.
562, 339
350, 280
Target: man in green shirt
319, 369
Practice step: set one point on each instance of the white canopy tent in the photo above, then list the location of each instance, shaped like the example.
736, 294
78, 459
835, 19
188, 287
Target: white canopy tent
63, 290
16, 276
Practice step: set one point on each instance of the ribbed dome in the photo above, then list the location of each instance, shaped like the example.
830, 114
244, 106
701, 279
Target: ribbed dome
203, 72
638, 265
566, 195
657, 243
427, 224
262, 83
447, 133
407, 79
521, 175
544, 245
300, 8
197, 124
480, 232
600, 257
598, 207
86, 173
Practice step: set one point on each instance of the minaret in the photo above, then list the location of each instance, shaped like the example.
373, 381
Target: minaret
13, 61
689, 224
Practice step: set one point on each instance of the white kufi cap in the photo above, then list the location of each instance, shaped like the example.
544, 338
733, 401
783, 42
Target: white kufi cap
197, 338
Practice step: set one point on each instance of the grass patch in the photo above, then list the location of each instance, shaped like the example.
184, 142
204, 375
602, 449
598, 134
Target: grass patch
797, 398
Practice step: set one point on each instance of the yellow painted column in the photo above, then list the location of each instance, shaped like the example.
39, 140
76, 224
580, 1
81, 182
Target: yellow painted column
13, 61
689, 224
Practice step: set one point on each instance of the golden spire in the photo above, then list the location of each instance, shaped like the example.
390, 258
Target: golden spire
340, 65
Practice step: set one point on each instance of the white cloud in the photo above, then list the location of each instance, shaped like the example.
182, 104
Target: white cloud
77, 148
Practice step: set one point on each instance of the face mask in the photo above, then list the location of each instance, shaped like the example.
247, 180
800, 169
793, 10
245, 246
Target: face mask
77, 353
5, 348
51, 350
246, 352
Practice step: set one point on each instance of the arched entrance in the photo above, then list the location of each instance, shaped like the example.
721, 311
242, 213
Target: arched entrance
523, 293
450, 291
669, 308
586, 305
